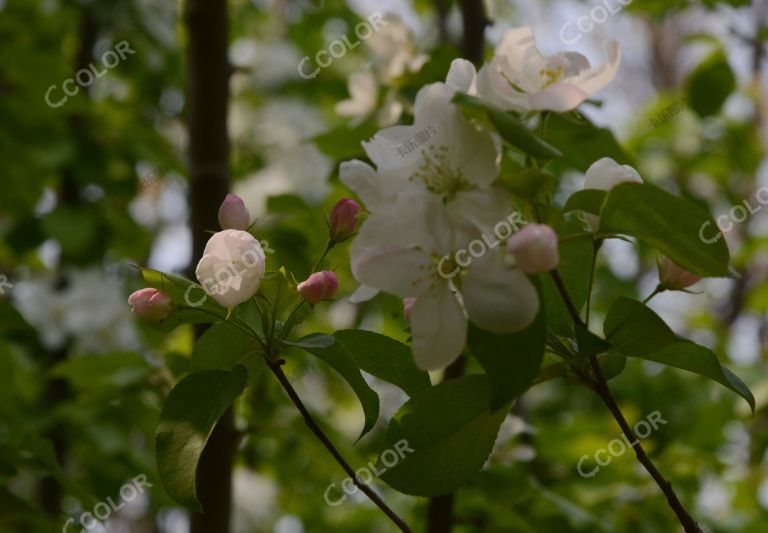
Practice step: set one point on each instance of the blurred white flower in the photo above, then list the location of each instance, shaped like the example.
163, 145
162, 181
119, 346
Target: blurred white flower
82, 306
393, 49
282, 131
364, 101
519, 78
254, 498
269, 64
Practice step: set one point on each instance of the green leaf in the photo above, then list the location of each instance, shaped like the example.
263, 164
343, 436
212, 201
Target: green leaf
583, 143
186, 422
587, 200
512, 360
380, 356
341, 359
449, 432
223, 346
345, 143
575, 267
510, 128
589, 344
529, 183
710, 85
192, 305
315, 340
690, 356
636, 331
671, 224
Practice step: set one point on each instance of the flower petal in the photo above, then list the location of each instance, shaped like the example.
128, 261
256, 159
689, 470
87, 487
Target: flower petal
559, 97
362, 294
591, 81
372, 188
493, 86
497, 298
462, 76
438, 327
400, 271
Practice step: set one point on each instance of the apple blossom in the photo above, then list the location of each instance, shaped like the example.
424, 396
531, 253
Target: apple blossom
319, 286
342, 222
534, 248
674, 277
491, 295
231, 268
151, 304
519, 78
442, 158
604, 174
233, 214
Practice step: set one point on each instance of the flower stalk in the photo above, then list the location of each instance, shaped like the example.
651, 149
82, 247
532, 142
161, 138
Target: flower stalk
600, 387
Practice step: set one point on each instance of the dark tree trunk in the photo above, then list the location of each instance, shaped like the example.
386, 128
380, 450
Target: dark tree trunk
207, 100
440, 516
475, 20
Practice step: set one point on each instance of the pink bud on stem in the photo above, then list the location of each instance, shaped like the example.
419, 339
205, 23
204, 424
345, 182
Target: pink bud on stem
343, 220
151, 304
233, 214
319, 286
534, 248
673, 277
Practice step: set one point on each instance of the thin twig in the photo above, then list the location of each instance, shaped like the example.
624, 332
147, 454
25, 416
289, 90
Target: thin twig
281, 377
601, 389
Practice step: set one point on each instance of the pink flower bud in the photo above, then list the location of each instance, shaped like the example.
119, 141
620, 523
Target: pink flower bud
319, 286
151, 304
674, 277
233, 214
407, 307
534, 248
343, 219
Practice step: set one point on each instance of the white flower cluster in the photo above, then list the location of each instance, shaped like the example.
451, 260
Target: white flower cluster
426, 203
83, 307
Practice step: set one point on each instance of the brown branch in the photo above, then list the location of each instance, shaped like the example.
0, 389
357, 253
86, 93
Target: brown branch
601, 388
326, 442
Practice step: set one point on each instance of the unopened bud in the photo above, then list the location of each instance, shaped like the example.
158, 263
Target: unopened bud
151, 304
343, 219
674, 277
534, 248
319, 286
233, 214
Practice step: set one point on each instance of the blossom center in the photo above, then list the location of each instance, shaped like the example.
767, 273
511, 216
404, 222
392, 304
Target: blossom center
437, 174
550, 76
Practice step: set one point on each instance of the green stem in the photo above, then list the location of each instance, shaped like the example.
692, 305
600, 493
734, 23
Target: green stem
595, 248
328, 246
656, 291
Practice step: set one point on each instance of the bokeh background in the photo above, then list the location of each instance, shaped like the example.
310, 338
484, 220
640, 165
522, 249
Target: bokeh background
109, 179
